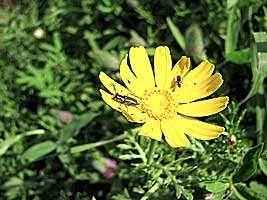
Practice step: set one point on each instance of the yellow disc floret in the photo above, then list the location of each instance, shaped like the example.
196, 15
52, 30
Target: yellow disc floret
158, 104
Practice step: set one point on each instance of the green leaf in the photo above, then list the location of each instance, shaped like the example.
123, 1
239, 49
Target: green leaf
178, 191
176, 33
51, 93
13, 182
143, 13
136, 39
91, 39
260, 37
128, 156
231, 3
187, 195
48, 47
13, 187
74, 127
258, 64
38, 150
233, 27
254, 89
262, 63
216, 187
259, 50
57, 41
263, 165
8, 143
114, 42
248, 165
240, 193
255, 191
104, 58
239, 57
259, 188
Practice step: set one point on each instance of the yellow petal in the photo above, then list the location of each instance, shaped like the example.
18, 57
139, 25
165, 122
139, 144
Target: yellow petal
180, 69
200, 73
129, 78
174, 133
200, 90
162, 67
203, 108
141, 67
112, 86
132, 113
151, 129
200, 130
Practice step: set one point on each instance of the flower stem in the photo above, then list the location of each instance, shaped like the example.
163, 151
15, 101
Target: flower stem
85, 147
236, 192
151, 151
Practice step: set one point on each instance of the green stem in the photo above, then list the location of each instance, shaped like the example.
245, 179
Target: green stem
85, 147
221, 64
151, 151
237, 194
35, 132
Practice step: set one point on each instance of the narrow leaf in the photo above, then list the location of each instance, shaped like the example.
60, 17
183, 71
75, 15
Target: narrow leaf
258, 64
233, 27
57, 41
263, 165
239, 57
114, 42
38, 150
74, 127
91, 39
176, 33
8, 143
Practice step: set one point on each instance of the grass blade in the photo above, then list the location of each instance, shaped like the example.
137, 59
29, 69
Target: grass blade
176, 33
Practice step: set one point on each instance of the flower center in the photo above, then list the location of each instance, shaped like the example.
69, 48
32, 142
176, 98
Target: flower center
158, 104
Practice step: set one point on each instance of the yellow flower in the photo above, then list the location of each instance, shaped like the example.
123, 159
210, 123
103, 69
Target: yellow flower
165, 100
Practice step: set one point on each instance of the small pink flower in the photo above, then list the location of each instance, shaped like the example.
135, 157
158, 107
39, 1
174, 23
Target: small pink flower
111, 163
109, 173
105, 166
64, 116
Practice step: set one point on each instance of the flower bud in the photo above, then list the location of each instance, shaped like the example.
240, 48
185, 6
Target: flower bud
136, 39
194, 40
231, 139
39, 33
105, 166
64, 116
133, 3
104, 58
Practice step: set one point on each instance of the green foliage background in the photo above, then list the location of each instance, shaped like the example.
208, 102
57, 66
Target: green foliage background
43, 158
